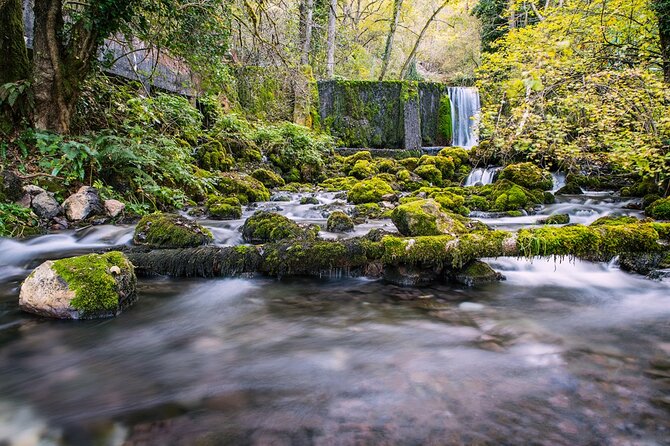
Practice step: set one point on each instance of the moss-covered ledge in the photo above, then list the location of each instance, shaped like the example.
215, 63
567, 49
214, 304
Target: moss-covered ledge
372, 255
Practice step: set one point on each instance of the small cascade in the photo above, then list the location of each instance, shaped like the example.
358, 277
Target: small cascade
559, 180
481, 176
465, 108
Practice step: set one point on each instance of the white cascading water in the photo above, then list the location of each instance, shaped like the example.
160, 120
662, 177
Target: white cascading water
481, 176
465, 108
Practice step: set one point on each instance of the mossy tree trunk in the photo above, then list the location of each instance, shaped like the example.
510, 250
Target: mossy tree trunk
388, 48
14, 64
662, 10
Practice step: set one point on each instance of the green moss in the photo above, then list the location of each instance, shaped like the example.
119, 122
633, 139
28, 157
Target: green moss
170, 231
363, 169
309, 200
224, 208
368, 211
338, 221
338, 184
424, 217
90, 278
409, 163
659, 209
429, 173
264, 227
246, 188
571, 188
459, 155
615, 220
268, 178
555, 219
444, 124
369, 191
527, 175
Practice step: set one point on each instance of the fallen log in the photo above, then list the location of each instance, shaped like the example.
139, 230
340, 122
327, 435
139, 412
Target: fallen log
396, 258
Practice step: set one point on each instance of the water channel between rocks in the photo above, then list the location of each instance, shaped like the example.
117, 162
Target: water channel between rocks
562, 352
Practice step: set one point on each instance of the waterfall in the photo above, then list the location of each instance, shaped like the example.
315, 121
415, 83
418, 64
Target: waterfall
464, 116
481, 176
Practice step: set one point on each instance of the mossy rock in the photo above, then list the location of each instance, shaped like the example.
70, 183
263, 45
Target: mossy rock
338, 184
555, 219
338, 221
424, 217
11, 188
477, 273
84, 287
444, 164
659, 209
350, 161
527, 175
410, 163
459, 155
388, 165
224, 208
611, 220
369, 211
246, 188
369, 191
268, 178
265, 227
430, 173
170, 231
571, 188
309, 200
363, 169
504, 195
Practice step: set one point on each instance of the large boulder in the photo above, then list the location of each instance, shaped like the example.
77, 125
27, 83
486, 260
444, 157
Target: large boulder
659, 209
45, 206
170, 231
84, 287
85, 203
425, 217
369, 191
527, 175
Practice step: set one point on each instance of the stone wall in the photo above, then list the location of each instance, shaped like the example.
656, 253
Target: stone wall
388, 114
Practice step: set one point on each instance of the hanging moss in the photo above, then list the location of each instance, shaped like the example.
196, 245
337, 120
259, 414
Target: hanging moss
444, 123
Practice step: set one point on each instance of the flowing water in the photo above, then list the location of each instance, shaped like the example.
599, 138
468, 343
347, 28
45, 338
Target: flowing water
561, 353
480, 176
465, 109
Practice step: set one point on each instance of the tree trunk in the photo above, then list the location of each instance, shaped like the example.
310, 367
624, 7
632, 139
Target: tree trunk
412, 54
307, 12
59, 71
330, 57
397, 4
14, 64
662, 10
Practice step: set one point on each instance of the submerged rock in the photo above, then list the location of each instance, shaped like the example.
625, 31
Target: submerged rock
84, 287
424, 217
338, 221
170, 231
477, 273
570, 189
555, 219
83, 204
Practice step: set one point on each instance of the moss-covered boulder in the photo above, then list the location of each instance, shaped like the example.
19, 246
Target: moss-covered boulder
265, 227
310, 199
425, 217
571, 188
84, 287
458, 155
555, 219
613, 220
246, 188
170, 231
338, 221
505, 195
369, 191
363, 169
224, 208
659, 209
430, 173
527, 175
444, 164
338, 184
268, 178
